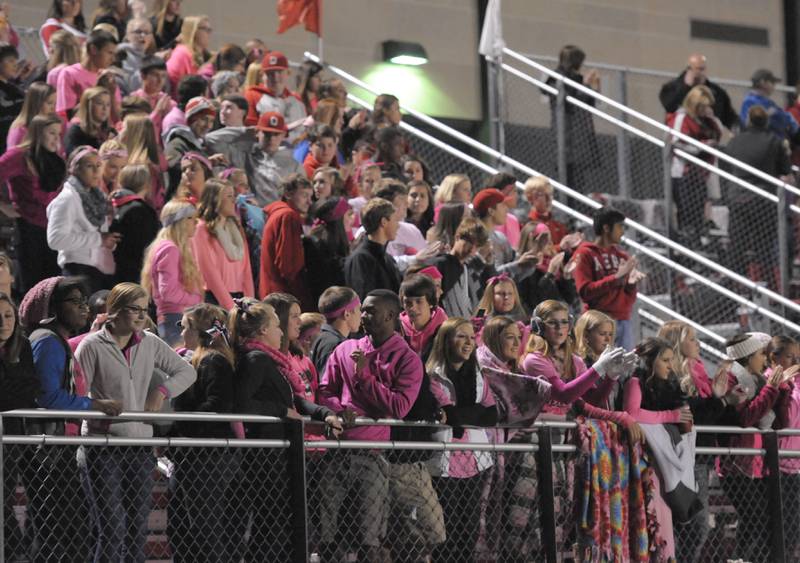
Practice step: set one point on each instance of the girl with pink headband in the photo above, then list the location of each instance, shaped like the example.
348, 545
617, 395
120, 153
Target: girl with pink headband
327, 245
78, 220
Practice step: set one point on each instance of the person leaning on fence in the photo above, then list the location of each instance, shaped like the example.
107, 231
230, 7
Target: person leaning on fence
606, 276
742, 477
118, 362
377, 376
201, 502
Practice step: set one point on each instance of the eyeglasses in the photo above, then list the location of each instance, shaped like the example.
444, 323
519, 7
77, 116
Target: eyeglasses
77, 301
140, 32
137, 311
205, 28
557, 324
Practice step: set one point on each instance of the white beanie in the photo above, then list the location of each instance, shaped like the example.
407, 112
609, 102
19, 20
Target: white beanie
755, 341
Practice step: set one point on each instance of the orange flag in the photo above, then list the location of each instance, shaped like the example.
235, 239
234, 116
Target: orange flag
294, 12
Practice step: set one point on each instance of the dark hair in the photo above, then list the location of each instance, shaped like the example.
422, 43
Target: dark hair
450, 217
55, 12
134, 104
501, 180
282, 303
778, 345
292, 183
420, 286
607, 216
757, 117
657, 394
63, 288
493, 332
238, 100
228, 56
570, 58
7, 51
321, 131
97, 302
334, 298
331, 231
308, 70
472, 231
374, 212
384, 139
13, 345
191, 86
388, 298
99, 39
150, 64
426, 221
391, 189
327, 88
383, 103
426, 171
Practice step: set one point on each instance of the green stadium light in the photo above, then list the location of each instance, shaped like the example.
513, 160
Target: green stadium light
404, 53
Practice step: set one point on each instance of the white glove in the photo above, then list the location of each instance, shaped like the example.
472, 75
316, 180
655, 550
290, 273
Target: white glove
607, 359
623, 365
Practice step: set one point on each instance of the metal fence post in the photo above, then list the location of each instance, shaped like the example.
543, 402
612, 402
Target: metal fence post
561, 133
296, 467
666, 161
496, 96
774, 497
623, 162
784, 223
547, 505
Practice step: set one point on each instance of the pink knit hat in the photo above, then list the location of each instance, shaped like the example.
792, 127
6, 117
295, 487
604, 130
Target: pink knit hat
35, 306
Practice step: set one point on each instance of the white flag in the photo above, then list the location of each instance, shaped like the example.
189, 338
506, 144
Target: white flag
492, 43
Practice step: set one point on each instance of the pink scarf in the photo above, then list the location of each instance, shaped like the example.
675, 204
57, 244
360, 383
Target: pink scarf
418, 338
284, 363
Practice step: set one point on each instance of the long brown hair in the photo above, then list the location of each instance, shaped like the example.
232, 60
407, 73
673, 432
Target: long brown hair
492, 335
13, 345
84, 113
139, 138
537, 343
210, 203
441, 354
35, 97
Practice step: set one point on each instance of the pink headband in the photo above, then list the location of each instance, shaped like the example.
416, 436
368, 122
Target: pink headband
431, 272
199, 158
122, 153
81, 154
332, 315
541, 228
227, 173
499, 279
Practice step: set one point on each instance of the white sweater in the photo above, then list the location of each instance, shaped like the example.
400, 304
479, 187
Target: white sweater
73, 236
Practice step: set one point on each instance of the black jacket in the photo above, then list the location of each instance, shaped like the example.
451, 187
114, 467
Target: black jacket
76, 137
212, 391
540, 286
370, 267
673, 92
761, 149
138, 224
324, 267
261, 389
19, 388
327, 340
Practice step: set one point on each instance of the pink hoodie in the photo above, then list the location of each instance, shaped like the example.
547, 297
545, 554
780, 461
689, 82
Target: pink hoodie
417, 339
169, 295
788, 410
386, 388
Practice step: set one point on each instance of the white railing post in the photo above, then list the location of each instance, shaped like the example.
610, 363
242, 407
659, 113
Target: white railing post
623, 156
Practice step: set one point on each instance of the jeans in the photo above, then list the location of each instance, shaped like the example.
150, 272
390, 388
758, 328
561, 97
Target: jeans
168, 328
121, 481
625, 334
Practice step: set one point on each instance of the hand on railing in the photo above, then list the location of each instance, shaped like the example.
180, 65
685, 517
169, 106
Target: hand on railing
348, 417
107, 406
333, 426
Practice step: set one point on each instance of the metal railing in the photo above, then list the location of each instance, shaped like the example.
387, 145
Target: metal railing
525, 486
444, 158
565, 140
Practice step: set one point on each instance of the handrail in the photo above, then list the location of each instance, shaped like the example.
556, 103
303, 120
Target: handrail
656, 73
650, 121
660, 322
647, 137
749, 284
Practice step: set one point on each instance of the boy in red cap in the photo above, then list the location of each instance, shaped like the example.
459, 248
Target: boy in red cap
258, 153
274, 95
490, 207
282, 258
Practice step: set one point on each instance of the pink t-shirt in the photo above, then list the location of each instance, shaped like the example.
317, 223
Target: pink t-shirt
72, 81
511, 230
180, 63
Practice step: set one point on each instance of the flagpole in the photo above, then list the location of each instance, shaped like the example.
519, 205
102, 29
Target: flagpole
320, 45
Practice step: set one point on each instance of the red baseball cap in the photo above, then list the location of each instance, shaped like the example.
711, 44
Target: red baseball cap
274, 60
272, 122
486, 199
199, 106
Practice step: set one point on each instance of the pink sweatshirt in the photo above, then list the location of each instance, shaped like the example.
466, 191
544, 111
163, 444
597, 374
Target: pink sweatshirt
27, 196
179, 64
788, 410
386, 388
587, 385
169, 295
511, 230
72, 81
221, 275
632, 400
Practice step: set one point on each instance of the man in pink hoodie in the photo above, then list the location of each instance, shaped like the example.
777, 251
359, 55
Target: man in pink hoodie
378, 376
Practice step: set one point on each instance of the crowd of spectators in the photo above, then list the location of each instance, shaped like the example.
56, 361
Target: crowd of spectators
194, 231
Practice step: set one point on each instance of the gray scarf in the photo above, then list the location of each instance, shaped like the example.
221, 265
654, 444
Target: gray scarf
95, 205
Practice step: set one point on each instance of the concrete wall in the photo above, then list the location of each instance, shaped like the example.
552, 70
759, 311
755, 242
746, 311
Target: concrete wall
643, 33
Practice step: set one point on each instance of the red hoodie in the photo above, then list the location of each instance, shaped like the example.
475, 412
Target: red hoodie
282, 258
253, 96
595, 279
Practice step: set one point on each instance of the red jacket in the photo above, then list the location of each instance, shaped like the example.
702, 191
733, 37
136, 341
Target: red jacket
596, 283
311, 165
282, 258
558, 230
253, 95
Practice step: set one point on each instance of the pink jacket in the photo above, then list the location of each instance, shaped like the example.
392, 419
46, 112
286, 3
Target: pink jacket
511, 230
29, 200
586, 385
418, 339
386, 388
169, 295
221, 275
632, 401
179, 64
789, 417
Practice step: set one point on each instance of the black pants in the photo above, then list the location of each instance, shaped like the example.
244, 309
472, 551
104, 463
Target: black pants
209, 297
36, 260
749, 498
461, 505
689, 195
95, 279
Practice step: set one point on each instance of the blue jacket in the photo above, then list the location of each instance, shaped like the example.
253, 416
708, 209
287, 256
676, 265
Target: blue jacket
781, 122
51, 364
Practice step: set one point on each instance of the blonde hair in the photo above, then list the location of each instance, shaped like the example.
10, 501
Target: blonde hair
487, 301
537, 184
246, 320
139, 137
448, 187
110, 146
201, 318
84, 114
160, 14
440, 355
188, 33
135, 177
253, 75
538, 345
64, 49
588, 322
699, 94
178, 233
123, 295
676, 332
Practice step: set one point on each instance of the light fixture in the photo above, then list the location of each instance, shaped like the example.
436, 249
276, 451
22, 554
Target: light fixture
404, 53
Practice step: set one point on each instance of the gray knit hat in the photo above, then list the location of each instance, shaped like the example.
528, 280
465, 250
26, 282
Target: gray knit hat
755, 341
